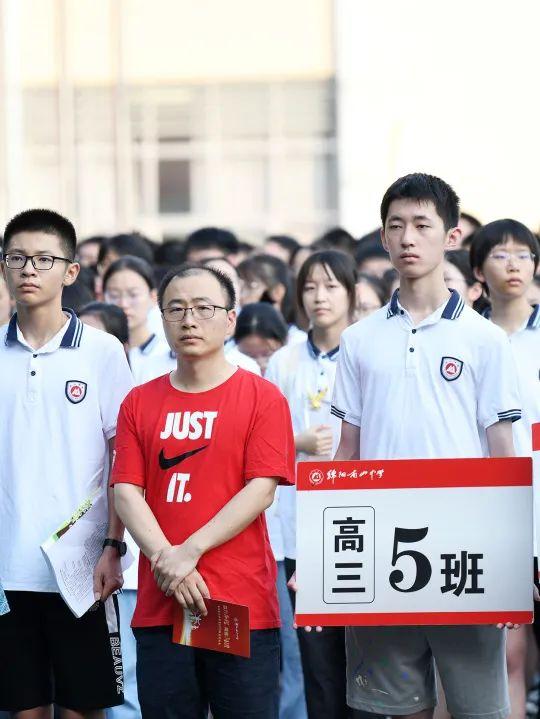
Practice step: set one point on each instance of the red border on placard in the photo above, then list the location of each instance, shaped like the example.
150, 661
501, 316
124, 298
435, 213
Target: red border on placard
417, 473
536, 437
371, 619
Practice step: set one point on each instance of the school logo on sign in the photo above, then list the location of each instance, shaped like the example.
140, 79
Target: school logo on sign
451, 368
75, 391
316, 476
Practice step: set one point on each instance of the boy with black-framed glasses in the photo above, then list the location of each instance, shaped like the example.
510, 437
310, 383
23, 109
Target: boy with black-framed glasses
61, 386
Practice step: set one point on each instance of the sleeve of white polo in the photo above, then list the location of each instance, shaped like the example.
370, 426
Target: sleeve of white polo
116, 381
498, 398
347, 396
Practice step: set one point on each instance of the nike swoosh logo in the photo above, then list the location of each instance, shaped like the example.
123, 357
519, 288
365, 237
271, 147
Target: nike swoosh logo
165, 463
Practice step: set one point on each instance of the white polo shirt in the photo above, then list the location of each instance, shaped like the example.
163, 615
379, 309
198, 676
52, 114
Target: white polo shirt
306, 377
59, 406
525, 345
151, 360
427, 390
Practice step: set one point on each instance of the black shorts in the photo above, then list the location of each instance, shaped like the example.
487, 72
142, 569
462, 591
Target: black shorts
49, 656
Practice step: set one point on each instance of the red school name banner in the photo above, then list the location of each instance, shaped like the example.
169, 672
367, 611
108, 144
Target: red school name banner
415, 542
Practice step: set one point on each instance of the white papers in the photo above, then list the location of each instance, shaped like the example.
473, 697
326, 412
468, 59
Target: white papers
72, 553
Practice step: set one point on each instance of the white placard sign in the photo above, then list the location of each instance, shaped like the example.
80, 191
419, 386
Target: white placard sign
446, 541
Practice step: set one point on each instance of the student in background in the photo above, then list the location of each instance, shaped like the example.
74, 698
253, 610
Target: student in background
129, 283
264, 278
504, 258
370, 295
459, 276
107, 318
282, 246
260, 331
6, 304
210, 242
305, 373
232, 353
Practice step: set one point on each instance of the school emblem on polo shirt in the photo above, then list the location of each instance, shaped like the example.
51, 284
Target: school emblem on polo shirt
451, 368
75, 391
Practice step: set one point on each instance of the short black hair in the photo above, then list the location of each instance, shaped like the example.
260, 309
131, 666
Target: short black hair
288, 243
367, 249
76, 295
499, 233
461, 261
41, 220
270, 271
135, 264
93, 240
133, 244
170, 253
192, 268
337, 238
424, 188
113, 318
207, 238
341, 267
263, 320
472, 220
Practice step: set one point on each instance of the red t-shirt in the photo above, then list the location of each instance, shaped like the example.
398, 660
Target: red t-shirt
193, 452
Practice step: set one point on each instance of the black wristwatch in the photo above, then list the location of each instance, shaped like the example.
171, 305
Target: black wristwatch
121, 547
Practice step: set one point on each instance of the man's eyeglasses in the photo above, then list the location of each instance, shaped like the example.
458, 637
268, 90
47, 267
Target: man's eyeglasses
39, 262
503, 256
199, 312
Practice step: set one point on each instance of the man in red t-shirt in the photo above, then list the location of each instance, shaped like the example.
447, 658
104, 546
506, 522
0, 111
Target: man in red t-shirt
199, 453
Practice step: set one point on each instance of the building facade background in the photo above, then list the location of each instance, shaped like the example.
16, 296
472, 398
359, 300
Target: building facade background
262, 116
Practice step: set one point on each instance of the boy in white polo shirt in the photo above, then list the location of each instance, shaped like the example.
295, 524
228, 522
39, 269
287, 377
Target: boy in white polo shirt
504, 257
425, 377
61, 386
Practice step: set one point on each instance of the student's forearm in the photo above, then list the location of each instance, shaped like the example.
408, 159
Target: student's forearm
115, 528
235, 516
139, 519
500, 440
349, 443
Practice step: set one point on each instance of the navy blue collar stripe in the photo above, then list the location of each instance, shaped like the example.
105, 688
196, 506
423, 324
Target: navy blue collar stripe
534, 319
533, 323
78, 334
315, 352
147, 346
72, 336
453, 309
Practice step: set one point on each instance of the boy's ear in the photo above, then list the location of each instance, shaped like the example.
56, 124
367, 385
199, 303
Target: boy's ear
72, 272
453, 239
383, 239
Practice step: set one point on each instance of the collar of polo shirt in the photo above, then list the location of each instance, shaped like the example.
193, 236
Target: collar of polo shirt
71, 338
315, 352
533, 323
453, 308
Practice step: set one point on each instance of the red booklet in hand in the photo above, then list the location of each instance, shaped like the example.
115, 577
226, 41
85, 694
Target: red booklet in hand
224, 629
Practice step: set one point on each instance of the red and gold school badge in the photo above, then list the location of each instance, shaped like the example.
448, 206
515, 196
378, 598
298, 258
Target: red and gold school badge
451, 368
75, 391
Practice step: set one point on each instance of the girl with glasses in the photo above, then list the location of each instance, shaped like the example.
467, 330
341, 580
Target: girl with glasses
129, 284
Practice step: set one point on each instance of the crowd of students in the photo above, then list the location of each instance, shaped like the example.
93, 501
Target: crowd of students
334, 328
